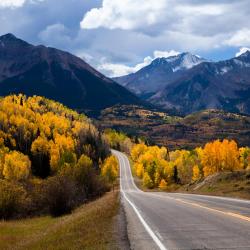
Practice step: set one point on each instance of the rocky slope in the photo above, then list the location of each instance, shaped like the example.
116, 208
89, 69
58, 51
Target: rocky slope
223, 85
58, 75
186, 84
158, 74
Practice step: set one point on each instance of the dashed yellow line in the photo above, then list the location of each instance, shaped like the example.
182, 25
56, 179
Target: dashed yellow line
242, 217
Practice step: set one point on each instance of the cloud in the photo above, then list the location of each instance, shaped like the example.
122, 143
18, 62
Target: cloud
240, 38
56, 35
115, 70
125, 14
242, 51
125, 32
11, 3
205, 9
166, 54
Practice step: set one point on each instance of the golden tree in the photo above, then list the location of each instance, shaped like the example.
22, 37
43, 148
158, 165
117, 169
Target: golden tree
17, 166
196, 173
110, 169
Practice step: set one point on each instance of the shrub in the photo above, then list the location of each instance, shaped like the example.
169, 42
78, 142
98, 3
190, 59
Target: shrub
110, 169
84, 175
12, 199
147, 182
60, 194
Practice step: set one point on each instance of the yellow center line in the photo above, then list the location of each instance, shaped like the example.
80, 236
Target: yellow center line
216, 210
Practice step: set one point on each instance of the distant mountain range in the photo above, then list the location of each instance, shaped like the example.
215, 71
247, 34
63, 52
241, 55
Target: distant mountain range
158, 74
186, 83
55, 74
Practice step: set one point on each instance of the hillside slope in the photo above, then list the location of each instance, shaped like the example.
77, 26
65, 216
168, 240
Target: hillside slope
185, 84
58, 75
223, 85
158, 74
177, 132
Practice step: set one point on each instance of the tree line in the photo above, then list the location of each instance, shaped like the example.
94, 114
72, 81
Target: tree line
159, 168
50, 157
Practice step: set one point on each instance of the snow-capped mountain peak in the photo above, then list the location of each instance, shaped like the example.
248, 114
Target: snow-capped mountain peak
182, 61
159, 73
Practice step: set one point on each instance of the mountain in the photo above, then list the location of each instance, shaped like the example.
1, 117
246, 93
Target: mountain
185, 83
210, 85
158, 74
58, 75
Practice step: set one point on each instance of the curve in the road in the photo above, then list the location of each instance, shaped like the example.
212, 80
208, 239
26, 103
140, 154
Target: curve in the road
182, 221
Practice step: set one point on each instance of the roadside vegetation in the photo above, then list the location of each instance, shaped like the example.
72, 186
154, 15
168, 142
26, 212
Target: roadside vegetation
89, 227
159, 168
50, 158
118, 140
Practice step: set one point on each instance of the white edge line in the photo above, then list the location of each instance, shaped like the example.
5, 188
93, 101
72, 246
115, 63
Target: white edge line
144, 223
146, 226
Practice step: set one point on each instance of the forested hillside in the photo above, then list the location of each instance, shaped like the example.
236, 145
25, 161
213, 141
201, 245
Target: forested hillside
159, 168
50, 157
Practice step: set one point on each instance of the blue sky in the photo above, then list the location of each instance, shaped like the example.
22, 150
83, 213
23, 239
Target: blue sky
120, 36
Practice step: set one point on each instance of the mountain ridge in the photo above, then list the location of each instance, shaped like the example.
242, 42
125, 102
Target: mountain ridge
159, 73
56, 74
221, 85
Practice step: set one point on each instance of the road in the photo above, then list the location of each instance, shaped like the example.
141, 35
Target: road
158, 220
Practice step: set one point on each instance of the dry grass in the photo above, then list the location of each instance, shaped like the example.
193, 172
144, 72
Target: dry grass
88, 227
230, 184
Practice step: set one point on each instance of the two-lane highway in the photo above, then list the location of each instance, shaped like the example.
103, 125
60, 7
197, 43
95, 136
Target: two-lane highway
158, 220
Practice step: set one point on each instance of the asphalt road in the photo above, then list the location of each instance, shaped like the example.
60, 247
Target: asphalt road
158, 220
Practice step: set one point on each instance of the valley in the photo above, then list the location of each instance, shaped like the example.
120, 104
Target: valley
74, 144
177, 132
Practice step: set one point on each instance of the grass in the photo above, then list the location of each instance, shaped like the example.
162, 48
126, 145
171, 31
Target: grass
88, 227
231, 184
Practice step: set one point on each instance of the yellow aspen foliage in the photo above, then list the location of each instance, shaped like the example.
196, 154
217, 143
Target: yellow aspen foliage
17, 166
163, 185
40, 145
147, 181
196, 173
3, 152
169, 171
84, 162
54, 156
51, 134
245, 157
139, 169
150, 161
138, 150
64, 143
220, 156
110, 169
81, 171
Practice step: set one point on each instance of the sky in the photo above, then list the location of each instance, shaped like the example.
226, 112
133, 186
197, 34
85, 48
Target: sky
119, 37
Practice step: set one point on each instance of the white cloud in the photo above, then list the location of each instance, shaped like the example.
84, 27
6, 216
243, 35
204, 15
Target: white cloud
16, 3
242, 51
240, 38
56, 35
166, 54
115, 70
11, 3
205, 9
125, 14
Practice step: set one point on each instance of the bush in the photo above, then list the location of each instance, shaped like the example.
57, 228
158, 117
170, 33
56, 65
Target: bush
13, 199
60, 193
